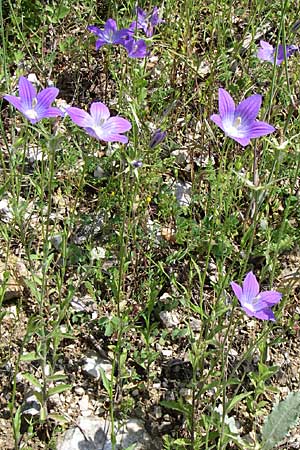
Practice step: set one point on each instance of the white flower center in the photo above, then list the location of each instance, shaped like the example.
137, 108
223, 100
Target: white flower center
250, 304
238, 122
31, 114
234, 128
98, 130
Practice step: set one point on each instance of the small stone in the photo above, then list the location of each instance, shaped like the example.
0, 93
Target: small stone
79, 390
94, 363
84, 403
99, 172
195, 324
157, 412
95, 432
31, 407
56, 241
170, 319
183, 193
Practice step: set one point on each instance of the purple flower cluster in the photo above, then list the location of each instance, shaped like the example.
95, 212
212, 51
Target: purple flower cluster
240, 122
146, 21
136, 48
98, 124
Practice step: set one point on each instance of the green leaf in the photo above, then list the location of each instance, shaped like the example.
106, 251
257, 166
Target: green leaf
177, 406
58, 389
31, 378
58, 418
62, 11
32, 356
57, 377
236, 399
283, 417
106, 382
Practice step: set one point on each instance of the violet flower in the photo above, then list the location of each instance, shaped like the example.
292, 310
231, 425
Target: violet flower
267, 52
240, 122
146, 22
157, 137
32, 105
99, 124
137, 163
135, 49
110, 34
254, 303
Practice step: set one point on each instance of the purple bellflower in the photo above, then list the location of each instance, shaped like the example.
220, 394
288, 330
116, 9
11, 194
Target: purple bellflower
32, 105
110, 34
254, 303
146, 22
240, 122
267, 52
135, 49
157, 137
99, 124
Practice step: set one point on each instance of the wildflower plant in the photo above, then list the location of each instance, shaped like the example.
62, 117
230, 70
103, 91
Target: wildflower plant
99, 124
135, 48
239, 122
110, 35
146, 21
34, 106
266, 52
160, 282
253, 302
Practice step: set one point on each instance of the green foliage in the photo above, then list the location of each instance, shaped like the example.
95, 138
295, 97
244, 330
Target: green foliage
283, 417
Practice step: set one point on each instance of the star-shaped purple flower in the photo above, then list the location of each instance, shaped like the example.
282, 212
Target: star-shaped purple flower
254, 303
135, 49
110, 34
146, 22
32, 105
99, 124
266, 52
240, 122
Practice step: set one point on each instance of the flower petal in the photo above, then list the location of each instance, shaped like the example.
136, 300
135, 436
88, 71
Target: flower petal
115, 138
116, 125
243, 141
248, 109
270, 297
266, 45
80, 117
27, 92
250, 287
51, 112
110, 25
99, 112
15, 101
218, 121
226, 104
265, 314
95, 30
237, 290
260, 129
100, 43
45, 98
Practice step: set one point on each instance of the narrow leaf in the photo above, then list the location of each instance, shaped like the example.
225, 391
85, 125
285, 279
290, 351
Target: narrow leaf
58, 389
31, 378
